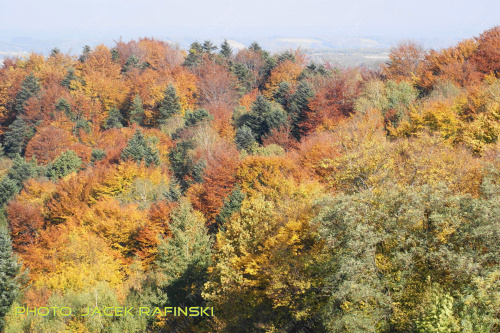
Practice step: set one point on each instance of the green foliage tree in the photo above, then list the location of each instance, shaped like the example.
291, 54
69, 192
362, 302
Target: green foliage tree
66, 82
10, 270
64, 164
244, 138
97, 154
170, 104
139, 149
17, 137
194, 56
136, 111
63, 106
29, 87
208, 47
132, 62
8, 189
185, 169
389, 247
299, 106
244, 75
184, 258
231, 205
85, 53
282, 94
193, 118
115, 119
225, 50
265, 116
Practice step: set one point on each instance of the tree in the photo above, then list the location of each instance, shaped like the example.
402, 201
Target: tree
48, 143
29, 87
170, 104
232, 204
85, 53
194, 56
208, 47
225, 50
193, 118
17, 137
63, 165
9, 276
184, 258
265, 116
404, 60
132, 62
66, 82
115, 119
299, 107
63, 106
183, 262
244, 138
139, 149
182, 163
136, 111
487, 56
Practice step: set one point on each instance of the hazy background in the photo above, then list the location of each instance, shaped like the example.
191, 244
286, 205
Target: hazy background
318, 26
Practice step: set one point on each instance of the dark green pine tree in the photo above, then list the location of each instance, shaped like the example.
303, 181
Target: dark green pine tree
170, 104
231, 205
225, 50
66, 82
299, 106
265, 116
8, 189
22, 170
29, 87
282, 94
115, 55
244, 137
208, 47
115, 119
54, 52
194, 56
255, 47
64, 164
185, 170
63, 106
192, 118
10, 270
139, 149
85, 53
132, 62
136, 111
17, 137
183, 259
244, 75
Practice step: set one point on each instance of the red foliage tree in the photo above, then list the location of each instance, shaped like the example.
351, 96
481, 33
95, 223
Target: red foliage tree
487, 57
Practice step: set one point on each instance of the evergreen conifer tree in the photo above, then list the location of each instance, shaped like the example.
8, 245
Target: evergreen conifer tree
29, 88
225, 50
66, 82
114, 119
184, 259
170, 104
139, 149
64, 164
244, 138
17, 137
10, 269
136, 111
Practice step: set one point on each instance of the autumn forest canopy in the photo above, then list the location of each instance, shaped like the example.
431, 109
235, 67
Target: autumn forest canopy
289, 196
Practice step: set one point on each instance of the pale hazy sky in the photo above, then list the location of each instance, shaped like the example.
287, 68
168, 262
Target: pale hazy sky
82, 19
